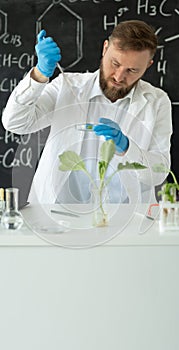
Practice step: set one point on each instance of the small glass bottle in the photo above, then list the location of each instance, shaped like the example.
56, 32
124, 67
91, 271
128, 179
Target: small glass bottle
12, 218
2, 203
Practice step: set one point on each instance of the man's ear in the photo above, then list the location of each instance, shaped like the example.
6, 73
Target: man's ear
105, 47
150, 63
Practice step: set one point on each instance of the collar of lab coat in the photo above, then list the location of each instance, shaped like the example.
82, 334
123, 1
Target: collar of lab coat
137, 96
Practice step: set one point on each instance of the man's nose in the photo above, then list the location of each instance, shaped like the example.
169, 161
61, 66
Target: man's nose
119, 74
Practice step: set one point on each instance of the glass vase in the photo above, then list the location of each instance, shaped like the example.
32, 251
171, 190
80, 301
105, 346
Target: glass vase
99, 197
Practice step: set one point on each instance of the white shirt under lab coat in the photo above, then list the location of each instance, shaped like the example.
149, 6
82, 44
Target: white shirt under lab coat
145, 118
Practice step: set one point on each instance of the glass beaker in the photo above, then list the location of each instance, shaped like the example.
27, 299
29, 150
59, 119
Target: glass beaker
12, 218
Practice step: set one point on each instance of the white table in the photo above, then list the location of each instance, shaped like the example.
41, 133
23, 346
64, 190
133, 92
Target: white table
73, 291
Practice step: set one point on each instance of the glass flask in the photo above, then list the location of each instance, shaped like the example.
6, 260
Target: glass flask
11, 218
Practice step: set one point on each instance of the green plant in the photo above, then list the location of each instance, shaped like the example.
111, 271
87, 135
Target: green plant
70, 161
168, 190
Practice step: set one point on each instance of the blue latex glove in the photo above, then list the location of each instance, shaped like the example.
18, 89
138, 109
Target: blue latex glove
48, 54
111, 130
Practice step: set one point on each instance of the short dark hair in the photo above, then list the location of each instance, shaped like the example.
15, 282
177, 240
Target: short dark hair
134, 35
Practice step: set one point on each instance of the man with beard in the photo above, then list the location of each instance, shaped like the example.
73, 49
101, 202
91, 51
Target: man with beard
119, 104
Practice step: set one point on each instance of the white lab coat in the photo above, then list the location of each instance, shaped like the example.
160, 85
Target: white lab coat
33, 106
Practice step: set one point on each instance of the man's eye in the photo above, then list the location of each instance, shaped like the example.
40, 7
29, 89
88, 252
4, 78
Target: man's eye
115, 64
132, 70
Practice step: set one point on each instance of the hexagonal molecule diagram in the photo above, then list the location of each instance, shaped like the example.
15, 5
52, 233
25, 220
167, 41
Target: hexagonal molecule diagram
66, 28
3, 23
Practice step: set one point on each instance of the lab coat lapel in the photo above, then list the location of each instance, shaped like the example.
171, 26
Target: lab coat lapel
134, 125
137, 104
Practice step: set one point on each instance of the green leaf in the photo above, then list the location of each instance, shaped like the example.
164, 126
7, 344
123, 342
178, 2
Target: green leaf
102, 166
107, 151
159, 168
71, 161
168, 191
131, 166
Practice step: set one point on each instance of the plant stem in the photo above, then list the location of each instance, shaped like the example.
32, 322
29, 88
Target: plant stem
100, 196
90, 177
100, 189
174, 178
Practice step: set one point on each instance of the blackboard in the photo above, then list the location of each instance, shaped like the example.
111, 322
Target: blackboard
79, 27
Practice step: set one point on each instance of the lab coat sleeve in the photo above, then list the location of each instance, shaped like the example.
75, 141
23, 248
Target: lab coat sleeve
158, 151
30, 106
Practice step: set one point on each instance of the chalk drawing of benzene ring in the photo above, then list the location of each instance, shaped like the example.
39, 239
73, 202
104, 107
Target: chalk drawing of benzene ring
71, 31
161, 47
3, 23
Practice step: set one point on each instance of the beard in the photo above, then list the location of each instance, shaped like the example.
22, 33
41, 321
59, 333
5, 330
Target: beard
112, 93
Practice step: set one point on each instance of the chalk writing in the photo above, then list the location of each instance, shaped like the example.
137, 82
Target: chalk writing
148, 7
162, 63
172, 38
93, 1
10, 137
8, 84
161, 66
24, 60
21, 157
114, 21
13, 39
25, 158
75, 20
3, 23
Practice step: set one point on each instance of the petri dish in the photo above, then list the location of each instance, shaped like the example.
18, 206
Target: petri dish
40, 228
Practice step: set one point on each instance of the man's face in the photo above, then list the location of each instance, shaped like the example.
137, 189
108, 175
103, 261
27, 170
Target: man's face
120, 70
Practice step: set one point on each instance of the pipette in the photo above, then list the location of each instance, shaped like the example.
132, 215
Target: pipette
81, 127
70, 86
